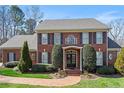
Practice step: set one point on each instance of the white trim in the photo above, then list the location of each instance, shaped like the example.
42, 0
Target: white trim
71, 47
114, 49
81, 59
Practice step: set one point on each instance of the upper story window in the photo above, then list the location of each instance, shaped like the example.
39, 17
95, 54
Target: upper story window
99, 37
44, 38
57, 38
70, 40
85, 39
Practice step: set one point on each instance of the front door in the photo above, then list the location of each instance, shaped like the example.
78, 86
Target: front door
71, 60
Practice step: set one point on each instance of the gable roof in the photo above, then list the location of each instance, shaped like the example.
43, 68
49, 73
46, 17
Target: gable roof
69, 24
18, 40
112, 44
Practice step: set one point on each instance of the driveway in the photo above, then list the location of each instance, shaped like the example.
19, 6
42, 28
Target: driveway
69, 80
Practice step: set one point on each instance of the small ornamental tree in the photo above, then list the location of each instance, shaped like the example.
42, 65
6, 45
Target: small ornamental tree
57, 56
119, 63
25, 62
89, 58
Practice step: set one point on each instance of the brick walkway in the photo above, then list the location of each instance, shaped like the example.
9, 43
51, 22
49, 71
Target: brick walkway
70, 80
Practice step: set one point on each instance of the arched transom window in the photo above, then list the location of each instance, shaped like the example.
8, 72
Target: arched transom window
71, 40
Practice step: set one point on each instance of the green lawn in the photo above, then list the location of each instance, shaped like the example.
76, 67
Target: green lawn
99, 83
11, 72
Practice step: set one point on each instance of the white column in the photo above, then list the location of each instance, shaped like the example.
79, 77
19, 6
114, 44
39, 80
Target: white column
63, 59
80, 59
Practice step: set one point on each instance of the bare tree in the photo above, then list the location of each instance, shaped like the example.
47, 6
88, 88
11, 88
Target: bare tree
117, 29
35, 13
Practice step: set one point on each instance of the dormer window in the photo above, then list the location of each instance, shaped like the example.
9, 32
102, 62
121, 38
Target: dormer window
71, 40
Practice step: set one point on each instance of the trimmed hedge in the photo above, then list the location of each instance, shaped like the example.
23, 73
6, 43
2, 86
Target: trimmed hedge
43, 68
11, 64
105, 70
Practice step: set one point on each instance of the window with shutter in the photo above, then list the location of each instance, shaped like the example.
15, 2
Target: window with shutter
99, 37
45, 57
44, 39
99, 56
11, 56
85, 39
57, 38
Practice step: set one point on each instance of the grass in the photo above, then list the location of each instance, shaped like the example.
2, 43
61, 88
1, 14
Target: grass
99, 83
11, 72
10, 85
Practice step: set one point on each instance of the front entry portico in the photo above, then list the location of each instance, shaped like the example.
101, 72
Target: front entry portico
72, 57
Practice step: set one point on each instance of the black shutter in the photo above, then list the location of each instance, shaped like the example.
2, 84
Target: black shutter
104, 37
81, 38
53, 38
61, 38
94, 37
39, 57
90, 37
49, 58
39, 38
48, 38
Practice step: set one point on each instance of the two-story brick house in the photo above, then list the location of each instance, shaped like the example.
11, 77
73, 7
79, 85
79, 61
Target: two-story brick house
72, 34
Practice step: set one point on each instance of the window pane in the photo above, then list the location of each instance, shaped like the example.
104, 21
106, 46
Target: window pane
44, 57
11, 56
99, 37
71, 40
44, 38
99, 56
85, 38
57, 38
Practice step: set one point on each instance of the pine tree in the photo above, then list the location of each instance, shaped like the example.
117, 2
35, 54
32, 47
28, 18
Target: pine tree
25, 61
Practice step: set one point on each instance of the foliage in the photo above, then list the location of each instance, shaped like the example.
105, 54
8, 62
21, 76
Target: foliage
17, 16
25, 61
89, 58
119, 63
11, 64
30, 25
105, 70
43, 68
57, 56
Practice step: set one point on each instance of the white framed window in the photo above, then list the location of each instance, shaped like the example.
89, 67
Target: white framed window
71, 40
45, 57
85, 39
44, 38
57, 38
99, 37
99, 58
11, 56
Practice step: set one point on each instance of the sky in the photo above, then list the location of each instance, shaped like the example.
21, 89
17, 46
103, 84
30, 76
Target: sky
102, 13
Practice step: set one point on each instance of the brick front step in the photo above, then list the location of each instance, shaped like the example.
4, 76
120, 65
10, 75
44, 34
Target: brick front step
73, 72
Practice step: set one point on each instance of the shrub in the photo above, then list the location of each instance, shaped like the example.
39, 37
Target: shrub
43, 68
57, 56
119, 63
106, 70
11, 64
25, 62
89, 58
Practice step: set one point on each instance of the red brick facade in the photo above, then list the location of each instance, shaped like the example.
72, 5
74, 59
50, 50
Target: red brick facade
78, 35
17, 55
36, 55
